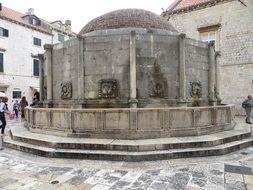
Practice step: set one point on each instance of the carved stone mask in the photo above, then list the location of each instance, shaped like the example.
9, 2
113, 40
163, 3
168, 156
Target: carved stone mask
108, 88
66, 90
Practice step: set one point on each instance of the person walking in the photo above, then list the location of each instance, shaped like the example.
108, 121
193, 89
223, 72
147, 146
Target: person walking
3, 110
16, 108
247, 104
23, 103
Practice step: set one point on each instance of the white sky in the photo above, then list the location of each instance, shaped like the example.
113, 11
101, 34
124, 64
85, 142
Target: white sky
80, 12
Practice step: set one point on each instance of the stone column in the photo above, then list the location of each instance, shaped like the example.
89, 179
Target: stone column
41, 74
217, 77
81, 73
48, 63
182, 81
211, 81
133, 101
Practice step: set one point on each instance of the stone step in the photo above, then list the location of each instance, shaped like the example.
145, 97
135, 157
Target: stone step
23, 135
129, 156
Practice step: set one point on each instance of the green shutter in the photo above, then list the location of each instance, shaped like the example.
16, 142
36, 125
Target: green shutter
35, 67
60, 37
1, 62
6, 33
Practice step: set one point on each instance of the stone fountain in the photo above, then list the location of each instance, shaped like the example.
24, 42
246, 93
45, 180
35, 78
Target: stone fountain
128, 76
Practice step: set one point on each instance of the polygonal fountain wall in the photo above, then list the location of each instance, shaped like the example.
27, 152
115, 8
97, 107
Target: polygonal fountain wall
129, 75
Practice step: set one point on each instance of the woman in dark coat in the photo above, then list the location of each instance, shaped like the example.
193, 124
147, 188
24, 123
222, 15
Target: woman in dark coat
23, 103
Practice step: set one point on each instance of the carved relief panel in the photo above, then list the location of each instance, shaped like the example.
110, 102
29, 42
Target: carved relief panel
157, 82
66, 90
196, 89
108, 88
156, 89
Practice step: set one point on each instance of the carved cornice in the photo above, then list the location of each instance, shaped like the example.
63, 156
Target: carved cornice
2, 50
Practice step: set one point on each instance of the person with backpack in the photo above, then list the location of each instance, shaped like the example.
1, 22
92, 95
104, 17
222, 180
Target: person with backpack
247, 104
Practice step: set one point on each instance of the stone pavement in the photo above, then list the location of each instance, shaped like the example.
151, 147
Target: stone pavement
23, 171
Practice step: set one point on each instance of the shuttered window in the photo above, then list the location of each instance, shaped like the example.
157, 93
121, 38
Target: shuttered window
210, 34
37, 41
4, 32
35, 67
16, 94
61, 37
1, 62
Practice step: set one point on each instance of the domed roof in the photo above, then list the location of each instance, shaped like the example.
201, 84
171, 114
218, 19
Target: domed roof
125, 18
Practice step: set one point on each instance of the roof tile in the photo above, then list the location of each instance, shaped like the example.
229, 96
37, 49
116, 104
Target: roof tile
18, 17
182, 4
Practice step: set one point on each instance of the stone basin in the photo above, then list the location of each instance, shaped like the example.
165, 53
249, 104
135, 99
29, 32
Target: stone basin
131, 123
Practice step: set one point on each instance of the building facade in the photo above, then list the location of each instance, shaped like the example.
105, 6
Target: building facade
229, 24
22, 37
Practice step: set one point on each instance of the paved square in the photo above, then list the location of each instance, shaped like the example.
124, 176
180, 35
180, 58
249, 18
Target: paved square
22, 171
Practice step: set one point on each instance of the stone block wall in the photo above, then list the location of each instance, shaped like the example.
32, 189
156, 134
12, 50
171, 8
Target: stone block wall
235, 43
93, 71
197, 68
106, 59
157, 59
64, 67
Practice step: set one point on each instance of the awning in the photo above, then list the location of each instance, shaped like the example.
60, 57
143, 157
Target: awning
35, 88
3, 87
2, 94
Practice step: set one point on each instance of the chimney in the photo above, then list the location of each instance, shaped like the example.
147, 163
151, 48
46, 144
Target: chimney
31, 11
68, 24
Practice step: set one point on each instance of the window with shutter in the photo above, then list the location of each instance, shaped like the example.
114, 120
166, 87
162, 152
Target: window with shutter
4, 32
1, 62
34, 21
210, 34
61, 37
37, 41
16, 94
35, 67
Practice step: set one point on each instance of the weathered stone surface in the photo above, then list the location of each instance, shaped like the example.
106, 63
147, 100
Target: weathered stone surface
28, 172
101, 59
129, 150
84, 121
148, 123
233, 40
127, 18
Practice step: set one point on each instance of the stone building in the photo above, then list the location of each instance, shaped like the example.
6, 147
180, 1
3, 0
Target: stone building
22, 37
229, 23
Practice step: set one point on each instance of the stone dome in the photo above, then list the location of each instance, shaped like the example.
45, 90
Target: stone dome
125, 18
